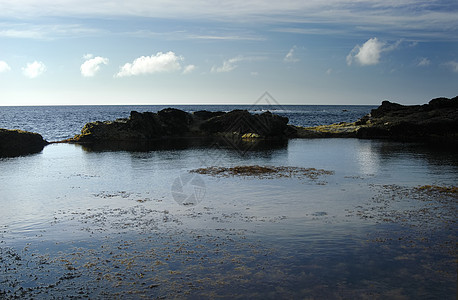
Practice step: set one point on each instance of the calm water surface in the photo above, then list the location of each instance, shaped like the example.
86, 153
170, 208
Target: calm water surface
76, 222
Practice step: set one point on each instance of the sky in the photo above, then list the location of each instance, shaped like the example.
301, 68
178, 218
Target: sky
80, 52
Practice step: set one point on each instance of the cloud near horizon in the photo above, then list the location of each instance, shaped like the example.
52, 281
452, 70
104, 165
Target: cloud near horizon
159, 63
4, 67
92, 65
33, 70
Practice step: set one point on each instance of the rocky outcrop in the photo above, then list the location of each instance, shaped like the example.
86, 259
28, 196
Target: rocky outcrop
18, 142
434, 122
174, 123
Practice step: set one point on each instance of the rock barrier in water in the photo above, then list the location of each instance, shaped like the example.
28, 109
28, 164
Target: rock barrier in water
19, 142
175, 123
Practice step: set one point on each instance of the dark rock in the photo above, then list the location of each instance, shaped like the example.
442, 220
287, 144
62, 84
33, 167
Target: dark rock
386, 108
436, 121
432, 123
442, 103
205, 114
175, 123
372, 132
240, 122
363, 120
143, 126
18, 142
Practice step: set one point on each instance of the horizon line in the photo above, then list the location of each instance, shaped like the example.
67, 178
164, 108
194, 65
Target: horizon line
163, 104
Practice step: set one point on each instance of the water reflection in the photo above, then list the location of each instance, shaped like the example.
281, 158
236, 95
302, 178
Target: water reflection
240, 145
104, 222
368, 158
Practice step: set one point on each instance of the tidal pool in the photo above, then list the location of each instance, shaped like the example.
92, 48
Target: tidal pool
376, 221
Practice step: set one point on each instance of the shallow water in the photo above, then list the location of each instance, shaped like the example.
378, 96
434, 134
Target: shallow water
108, 223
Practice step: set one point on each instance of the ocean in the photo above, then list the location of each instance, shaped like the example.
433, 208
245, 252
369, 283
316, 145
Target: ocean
331, 219
56, 123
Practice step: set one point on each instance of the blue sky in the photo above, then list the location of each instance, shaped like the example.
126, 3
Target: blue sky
55, 52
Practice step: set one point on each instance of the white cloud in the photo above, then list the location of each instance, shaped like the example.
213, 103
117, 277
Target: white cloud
290, 56
189, 69
161, 62
423, 62
367, 54
228, 65
4, 67
88, 56
91, 66
370, 52
453, 65
33, 70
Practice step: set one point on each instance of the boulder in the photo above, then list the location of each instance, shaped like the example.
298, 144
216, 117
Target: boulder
18, 142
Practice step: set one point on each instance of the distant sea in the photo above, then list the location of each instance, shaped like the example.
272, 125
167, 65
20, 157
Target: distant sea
60, 122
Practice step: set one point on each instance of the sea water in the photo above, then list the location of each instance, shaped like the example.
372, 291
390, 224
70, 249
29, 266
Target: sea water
78, 222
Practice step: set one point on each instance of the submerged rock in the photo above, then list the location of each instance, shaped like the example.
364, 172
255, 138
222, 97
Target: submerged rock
18, 142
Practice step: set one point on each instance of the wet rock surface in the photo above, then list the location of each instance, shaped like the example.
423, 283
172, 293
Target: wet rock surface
18, 142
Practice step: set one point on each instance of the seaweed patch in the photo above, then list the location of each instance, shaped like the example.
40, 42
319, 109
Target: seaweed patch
264, 172
451, 190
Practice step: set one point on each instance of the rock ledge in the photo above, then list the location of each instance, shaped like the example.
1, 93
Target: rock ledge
19, 142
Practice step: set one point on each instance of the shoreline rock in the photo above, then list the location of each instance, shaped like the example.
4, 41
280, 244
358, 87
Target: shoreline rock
435, 122
18, 142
